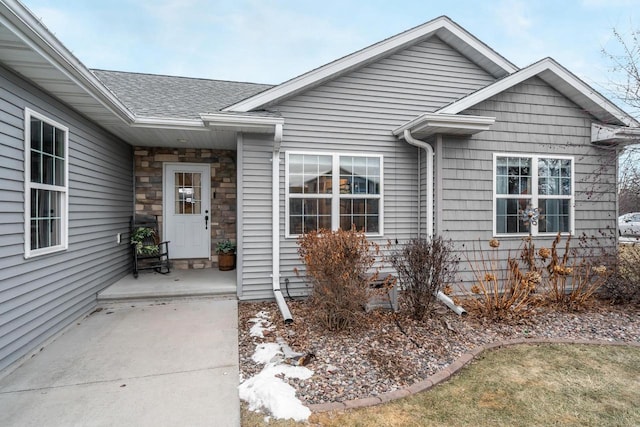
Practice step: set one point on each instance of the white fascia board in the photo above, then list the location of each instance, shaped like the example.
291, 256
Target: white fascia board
242, 122
28, 28
452, 121
367, 55
545, 65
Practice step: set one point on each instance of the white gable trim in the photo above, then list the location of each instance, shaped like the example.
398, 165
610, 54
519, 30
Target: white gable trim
31, 31
449, 30
559, 78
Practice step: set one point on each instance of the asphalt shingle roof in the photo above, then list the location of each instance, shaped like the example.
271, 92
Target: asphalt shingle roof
151, 95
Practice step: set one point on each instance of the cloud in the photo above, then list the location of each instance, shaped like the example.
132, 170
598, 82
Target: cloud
515, 17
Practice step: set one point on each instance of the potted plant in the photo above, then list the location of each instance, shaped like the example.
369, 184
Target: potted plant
143, 238
226, 251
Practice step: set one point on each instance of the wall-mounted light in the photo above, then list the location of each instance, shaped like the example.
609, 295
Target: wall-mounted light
182, 140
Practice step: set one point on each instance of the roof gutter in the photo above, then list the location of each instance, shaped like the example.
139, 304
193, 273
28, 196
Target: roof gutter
251, 123
455, 124
168, 123
607, 136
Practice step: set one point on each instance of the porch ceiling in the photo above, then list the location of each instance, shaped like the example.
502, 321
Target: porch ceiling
197, 137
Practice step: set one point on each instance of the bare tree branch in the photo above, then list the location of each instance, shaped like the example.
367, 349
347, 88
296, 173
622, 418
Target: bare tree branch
625, 60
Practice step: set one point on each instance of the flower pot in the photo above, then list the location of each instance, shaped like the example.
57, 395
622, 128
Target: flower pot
226, 262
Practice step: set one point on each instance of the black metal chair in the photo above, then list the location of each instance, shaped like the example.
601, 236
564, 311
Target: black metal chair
149, 253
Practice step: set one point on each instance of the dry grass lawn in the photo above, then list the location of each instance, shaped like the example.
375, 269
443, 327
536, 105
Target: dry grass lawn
544, 385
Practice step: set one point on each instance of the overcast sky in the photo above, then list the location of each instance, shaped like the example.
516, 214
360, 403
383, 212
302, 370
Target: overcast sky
271, 41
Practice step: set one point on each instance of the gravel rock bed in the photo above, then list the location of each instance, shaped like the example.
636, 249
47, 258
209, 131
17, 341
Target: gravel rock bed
390, 351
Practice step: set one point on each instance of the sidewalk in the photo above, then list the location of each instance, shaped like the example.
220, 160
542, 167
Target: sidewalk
171, 364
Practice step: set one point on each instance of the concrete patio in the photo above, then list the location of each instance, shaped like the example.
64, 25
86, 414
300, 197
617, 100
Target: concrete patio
158, 351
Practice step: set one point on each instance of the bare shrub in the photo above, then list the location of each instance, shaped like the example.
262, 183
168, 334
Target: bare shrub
624, 286
424, 267
339, 265
576, 277
503, 292
568, 277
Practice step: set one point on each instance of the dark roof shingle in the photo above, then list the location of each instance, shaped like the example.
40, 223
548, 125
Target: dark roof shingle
152, 95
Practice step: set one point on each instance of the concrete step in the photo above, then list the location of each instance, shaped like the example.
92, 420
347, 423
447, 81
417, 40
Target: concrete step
152, 287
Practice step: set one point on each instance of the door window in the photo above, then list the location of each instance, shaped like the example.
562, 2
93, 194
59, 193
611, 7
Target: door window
188, 193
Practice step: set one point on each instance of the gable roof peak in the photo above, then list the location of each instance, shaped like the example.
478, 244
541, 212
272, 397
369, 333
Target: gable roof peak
562, 80
443, 27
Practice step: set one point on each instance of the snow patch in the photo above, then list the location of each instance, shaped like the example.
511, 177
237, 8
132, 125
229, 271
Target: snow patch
267, 390
261, 323
266, 352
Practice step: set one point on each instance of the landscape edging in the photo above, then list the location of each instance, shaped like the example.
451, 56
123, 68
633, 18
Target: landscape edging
450, 370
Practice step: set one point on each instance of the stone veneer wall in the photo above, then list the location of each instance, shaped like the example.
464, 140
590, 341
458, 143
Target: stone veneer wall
148, 170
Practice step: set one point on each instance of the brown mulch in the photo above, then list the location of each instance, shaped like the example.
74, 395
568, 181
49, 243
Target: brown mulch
389, 351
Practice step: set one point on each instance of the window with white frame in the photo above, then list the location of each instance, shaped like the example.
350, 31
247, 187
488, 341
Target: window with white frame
331, 191
46, 186
533, 194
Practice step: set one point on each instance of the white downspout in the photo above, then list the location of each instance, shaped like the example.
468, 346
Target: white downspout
419, 197
429, 200
275, 226
429, 190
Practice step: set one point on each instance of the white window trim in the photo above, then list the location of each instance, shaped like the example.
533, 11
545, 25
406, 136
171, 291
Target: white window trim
335, 193
535, 196
28, 185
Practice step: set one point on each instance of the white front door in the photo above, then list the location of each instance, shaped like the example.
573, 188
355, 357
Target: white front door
186, 208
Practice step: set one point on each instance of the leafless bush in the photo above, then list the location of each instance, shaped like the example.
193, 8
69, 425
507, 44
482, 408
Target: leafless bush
624, 285
567, 278
575, 277
424, 267
339, 265
502, 292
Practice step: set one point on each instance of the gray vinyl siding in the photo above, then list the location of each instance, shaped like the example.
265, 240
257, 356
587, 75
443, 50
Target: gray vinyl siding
42, 295
255, 235
531, 118
356, 113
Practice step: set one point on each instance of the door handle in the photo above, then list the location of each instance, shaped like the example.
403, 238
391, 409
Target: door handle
206, 219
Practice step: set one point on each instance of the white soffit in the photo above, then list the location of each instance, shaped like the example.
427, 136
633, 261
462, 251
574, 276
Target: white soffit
428, 124
443, 27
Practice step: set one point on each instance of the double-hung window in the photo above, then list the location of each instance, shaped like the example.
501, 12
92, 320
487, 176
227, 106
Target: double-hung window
533, 194
46, 185
331, 191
